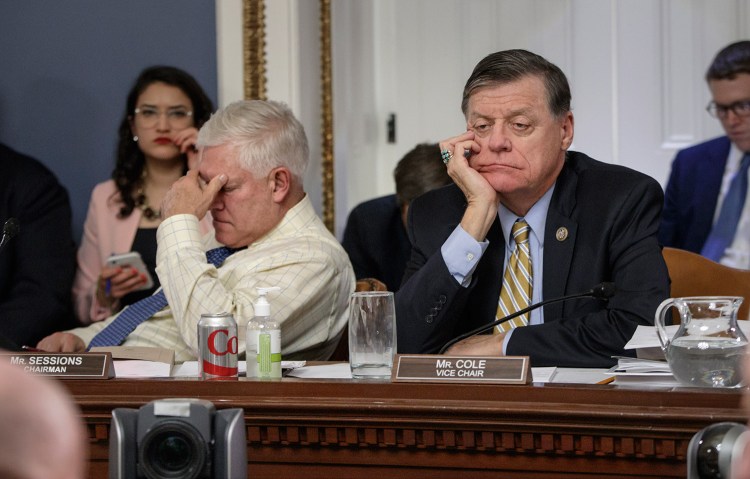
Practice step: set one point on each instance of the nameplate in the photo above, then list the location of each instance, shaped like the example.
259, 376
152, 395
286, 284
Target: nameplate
461, 369
64, 365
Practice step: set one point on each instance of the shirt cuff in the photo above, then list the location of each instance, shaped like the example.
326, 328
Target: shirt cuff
461, 253
87, 333
508, 334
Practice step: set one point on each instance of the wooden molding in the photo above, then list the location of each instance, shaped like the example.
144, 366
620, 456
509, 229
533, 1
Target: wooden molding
347, 428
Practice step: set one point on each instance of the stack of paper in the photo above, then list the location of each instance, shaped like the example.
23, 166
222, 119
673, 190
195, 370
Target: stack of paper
641, 366
650, 368
140, 362
645, 340
637, 371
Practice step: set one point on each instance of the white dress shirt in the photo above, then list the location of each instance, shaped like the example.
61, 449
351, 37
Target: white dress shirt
737, 255
299, 255
461, 252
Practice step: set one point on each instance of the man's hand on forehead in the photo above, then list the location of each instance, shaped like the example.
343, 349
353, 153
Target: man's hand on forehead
202, 182
192, 194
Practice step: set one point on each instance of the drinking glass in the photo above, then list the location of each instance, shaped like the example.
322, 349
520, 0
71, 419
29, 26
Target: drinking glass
372, 334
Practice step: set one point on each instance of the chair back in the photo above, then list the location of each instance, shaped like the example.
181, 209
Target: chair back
695, 275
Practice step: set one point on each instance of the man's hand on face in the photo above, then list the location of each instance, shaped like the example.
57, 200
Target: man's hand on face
188, 196
474, 186
481, 197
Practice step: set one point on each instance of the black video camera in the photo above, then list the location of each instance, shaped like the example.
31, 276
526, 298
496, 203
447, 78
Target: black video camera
713, 449
177, 438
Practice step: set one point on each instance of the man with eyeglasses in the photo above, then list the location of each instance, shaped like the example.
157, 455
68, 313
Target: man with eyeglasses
704, 203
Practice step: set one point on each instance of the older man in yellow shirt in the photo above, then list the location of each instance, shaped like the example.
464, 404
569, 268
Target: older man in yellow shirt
253, 157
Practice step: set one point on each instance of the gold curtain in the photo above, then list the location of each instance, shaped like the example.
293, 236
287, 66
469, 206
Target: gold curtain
254, 54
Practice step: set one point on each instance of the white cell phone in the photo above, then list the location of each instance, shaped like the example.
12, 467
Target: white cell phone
134, 260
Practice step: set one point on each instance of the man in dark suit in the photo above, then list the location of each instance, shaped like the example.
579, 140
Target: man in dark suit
376, 242
38, 265
375, 235
702, 175
586, 222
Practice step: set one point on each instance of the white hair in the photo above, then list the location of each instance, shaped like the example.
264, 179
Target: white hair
265, 135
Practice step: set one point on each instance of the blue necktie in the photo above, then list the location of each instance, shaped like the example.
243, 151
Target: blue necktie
722, 234
129, 319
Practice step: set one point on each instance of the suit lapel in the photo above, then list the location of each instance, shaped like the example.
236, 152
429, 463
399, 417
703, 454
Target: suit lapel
496, 259
559, 239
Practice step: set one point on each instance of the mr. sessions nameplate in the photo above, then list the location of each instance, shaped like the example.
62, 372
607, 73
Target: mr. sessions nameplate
64, 365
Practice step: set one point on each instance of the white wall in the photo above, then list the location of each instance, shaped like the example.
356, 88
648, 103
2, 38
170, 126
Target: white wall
292, 68
635, 67
229, 63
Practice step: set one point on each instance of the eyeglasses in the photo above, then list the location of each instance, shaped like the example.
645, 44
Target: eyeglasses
739, 108
148, 117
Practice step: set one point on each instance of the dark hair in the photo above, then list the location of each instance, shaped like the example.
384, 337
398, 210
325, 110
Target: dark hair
508, 66
730, 61
419, 171
130, 158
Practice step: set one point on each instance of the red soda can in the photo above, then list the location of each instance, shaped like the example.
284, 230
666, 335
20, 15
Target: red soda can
217, 340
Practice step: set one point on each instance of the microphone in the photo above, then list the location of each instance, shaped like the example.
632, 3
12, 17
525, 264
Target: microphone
602, 291
10, 229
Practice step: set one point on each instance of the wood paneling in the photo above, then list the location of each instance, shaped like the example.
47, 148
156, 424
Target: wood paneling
343, 428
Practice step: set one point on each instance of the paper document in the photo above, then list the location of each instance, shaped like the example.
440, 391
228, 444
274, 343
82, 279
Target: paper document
641, 366
643, 372
646, 336
190, 369
135, 368
542, 375
139, 362
325, 371
579, 375
646, 379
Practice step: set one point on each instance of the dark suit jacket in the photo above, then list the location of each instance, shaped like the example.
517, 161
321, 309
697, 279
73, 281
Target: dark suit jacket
376, 241
37, 266
612, 216
692, 194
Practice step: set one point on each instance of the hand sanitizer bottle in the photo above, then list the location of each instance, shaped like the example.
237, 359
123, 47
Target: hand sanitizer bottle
263, 340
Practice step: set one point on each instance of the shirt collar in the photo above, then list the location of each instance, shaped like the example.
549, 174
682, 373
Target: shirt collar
734, 159
536, 218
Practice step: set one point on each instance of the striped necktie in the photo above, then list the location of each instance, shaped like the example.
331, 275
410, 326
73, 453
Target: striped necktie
515, 293
129, 319
722, 234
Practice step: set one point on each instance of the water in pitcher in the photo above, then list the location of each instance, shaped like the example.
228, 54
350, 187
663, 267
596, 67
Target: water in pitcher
712, 363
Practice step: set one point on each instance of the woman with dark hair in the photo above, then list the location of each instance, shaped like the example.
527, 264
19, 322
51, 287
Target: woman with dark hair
164, 110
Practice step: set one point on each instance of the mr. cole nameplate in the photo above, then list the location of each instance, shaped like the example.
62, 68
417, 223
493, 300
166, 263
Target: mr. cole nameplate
463, 369
64, 365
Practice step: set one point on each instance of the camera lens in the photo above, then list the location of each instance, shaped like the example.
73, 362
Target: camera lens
714, 449
174, 449
708, 457
173, 452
